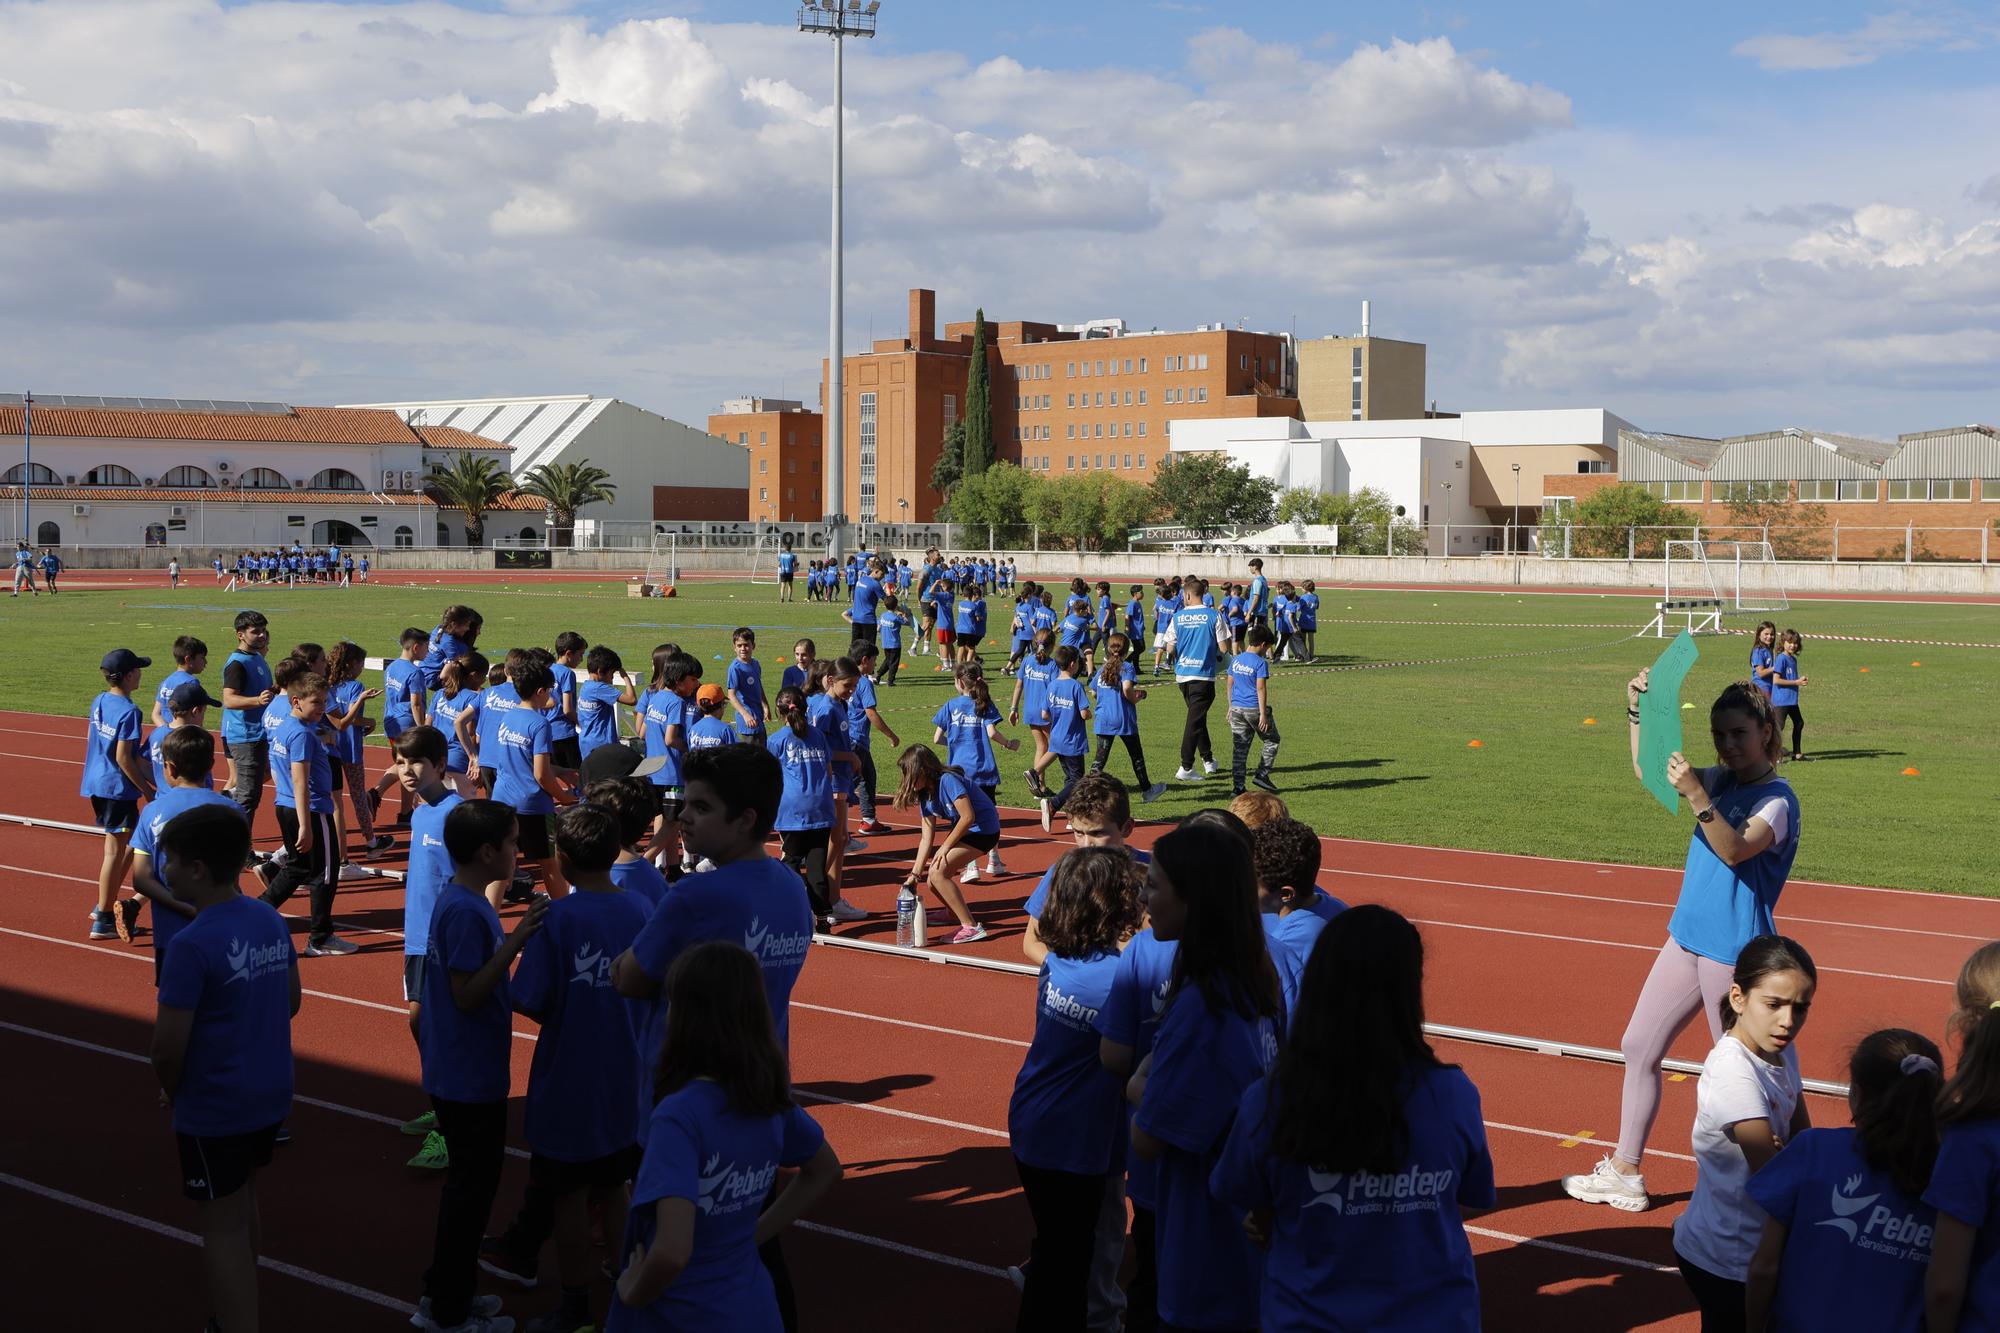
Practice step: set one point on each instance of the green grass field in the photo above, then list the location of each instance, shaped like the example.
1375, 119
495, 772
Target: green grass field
1378, 753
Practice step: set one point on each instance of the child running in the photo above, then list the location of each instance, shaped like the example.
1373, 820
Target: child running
947, 794
1117, 691
969, 727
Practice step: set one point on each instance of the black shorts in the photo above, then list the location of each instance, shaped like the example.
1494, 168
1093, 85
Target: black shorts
413, 978
339, 775
113, 815
534, 836
608, 1172
980, 842
566, 753
215, 1168
970, 640
784, 578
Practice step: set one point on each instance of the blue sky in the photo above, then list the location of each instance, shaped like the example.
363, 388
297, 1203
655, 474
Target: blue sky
1708, 218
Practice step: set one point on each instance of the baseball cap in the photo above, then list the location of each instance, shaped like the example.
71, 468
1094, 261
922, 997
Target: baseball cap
710, 694
121, 660
189, 695
618, 761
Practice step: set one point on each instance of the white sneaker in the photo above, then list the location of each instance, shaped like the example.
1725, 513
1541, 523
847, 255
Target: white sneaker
971, 875
1208, 768
703, 866
993, 866
846, 911
1048, 815
1607, 1184
483, 1307
1186, 775
1153, 793
352, 870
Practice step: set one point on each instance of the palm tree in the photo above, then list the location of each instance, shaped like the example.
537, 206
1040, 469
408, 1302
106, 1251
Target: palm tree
472, 483
568, 487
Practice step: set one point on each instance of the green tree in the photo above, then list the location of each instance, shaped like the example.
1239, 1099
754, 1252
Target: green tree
1089, 510
473, 483
1207, 493
998, 496
950, 466
568, 487
1797, 531
1599, 523
978, 403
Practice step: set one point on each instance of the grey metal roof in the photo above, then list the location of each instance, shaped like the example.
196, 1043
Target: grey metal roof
538, 429
1955, 451
1791, 454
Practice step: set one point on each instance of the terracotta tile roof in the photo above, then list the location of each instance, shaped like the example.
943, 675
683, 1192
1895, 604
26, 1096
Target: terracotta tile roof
509, 502
303, 425
451, 437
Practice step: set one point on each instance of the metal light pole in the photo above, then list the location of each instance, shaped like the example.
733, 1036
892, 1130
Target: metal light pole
828, 19
1447, 518
1515, 516
27, 465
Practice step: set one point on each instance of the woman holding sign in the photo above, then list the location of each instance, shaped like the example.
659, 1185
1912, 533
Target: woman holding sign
1745, 837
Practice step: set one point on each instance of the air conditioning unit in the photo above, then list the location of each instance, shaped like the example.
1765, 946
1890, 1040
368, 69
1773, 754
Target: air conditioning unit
79, 511
177, 511
222, 467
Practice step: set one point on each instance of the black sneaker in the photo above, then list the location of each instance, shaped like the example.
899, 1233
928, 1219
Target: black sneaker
497, 1259
284, 1135
1262, 782
521, 889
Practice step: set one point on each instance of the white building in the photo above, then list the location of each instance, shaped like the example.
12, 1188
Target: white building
662, 468
163, 471
1470, 473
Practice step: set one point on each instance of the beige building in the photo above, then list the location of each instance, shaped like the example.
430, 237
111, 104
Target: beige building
1362, 378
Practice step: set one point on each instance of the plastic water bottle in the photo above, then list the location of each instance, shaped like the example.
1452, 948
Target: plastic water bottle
909, 920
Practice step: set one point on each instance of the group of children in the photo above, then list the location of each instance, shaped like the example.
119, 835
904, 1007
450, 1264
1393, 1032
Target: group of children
26, 562
1774, 666
298, 565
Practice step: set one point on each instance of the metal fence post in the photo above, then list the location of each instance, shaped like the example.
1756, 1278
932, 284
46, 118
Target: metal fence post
1631, 543
1834, 559
1035, 538
1909, 543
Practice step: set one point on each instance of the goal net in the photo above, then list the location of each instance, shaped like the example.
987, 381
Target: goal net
1707, 579
1749, 576
663, 566
764, 557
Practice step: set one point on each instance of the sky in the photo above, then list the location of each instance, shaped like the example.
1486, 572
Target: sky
1710, 219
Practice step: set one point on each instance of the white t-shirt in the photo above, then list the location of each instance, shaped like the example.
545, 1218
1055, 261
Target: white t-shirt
1721, 1226
1772, 810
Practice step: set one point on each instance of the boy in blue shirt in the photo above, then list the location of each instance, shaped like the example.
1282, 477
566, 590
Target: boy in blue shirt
246, 692
969, 625
1286, 855
190, 660
115, 778
705, 728
302, 775
222, 1044
744, 684
184, 709
525, 776
864, 716
893, 621
467, 1040
1308, 614
1250, 710
635, 803
403, 701
582, 1105
420, 755
564, 748
597, 700
187, 754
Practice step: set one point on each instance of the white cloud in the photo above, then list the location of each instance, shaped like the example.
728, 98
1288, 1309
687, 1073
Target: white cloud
1882, 35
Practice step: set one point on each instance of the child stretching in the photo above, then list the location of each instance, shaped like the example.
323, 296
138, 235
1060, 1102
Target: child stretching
1747, 1106
725, 1097
222, 1045
1962, 1289
1785, 683
419, 766
1219, 1034
1066, 1116
598, 698
945, 793
1034, 674
969, 728
1117, 714
1359, 1109
1808, 1273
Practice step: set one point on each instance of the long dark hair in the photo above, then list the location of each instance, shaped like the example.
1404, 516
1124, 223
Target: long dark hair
1765, 956
1115, 648
971, 678
1222, 951
1355, 1048
1974, 1090
1741, 696
719, 1027
1894, 1077
791, 705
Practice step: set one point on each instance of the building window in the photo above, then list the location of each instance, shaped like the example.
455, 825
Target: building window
1749, 492
327, 479
1243, 360
763, 465
1099, 432
110, 474
1588, 466
1142, 397
1676, 492
187, 475
1142, 430
763, 493
743, 437
1128, 365
1071, 372
1100, 461
788, 493
867, 499
1071, 464
1128, 430
761, 438
1100, 367
1142, 365
1201, 394
792, 465
1989, 488
1142, 457
1114, 460
1114, 365
1938, 488
1128, 460
262, 479
403, 536
1071, 433
950, 408
1357, 360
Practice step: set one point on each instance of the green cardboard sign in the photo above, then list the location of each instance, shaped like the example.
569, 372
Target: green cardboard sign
1660, 718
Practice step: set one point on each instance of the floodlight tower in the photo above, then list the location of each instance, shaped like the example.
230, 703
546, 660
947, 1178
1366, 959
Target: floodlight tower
829, 19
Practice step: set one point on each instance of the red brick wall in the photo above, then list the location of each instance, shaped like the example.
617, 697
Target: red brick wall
707, 504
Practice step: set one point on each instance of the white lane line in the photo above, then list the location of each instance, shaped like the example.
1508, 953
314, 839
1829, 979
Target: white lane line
906, 1023
1577, 1251
347, 926
189, 1238
47, 758
825, 1099
1581, 1140
897, 1247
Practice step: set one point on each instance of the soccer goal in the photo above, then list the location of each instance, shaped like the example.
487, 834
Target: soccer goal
663, 567
764, 556
1707, 579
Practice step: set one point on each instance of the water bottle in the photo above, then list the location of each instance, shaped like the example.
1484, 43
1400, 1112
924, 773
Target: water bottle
909, 919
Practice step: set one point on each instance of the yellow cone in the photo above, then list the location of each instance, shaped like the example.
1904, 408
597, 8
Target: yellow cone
1590, 722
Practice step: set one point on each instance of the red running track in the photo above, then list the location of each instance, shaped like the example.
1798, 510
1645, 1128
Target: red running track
908, 1067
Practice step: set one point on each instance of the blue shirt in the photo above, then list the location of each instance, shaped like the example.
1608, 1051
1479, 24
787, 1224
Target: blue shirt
807, 799
443, 648
596, 714
642, 879
1245, 670
1786, 666
114, 720
446, 709
1723, 907
1260, 594
1163, 613
1383, 1249
495, 702
402, 689
466, 1056
1291, 938
1065, 705
943, 804
1309, 611
710, 733
665, 709
1209, 1271
867, 592
1856, 1247
889, 628
1135, 620
760, 904
245, 725
174, 680
231, 967
583, 1086
1760, 656
1036, 677
156, 816
429, 871
296, 743
1067, 1111
159, 763
830, 716
1194, 643
521, 735
699, 1149
859, 728
972, 618
967, 745
560, 727
945, 605
1115, 714
347, 741
746, 681
1041, 618
1965, 1184
788, 562
1075, 630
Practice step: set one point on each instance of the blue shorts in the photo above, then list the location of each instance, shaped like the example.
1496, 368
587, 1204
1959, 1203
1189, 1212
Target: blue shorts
393, 726
114, 815
413, 978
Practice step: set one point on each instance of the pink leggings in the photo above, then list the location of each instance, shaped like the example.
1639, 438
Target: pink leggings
1680, 983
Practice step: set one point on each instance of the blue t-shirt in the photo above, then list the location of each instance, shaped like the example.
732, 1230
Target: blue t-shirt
466, 1056
174, 680
521, 735
1856, 1247
699, 1149
446, 709
245, 726
867, 592
1036, 677
1104, 612
1163, 613
443, 648
1135, 620
830, 716
596, 714
943, 804
1075, 630
746, 681
146, 841
1383, 1249
1723, 907
1245, 670
583, 1086
1065, 705
1041, 618
859, 728
1232, 611
560, 727
889, 629
792, 676
347, 741
159, 763
710, 733
1786, 666
788, 562
642, 879
495, 703
1194, 643
402, 690
114, 721
1260, 594
231, 967
1291, 939
967, 746
971, 620
293, 742
429, 871
1965, 1184
1210, 1273
946, 605
1309, 611
1067, 1111
664, 709
760, 904
1760, 656
1112, 710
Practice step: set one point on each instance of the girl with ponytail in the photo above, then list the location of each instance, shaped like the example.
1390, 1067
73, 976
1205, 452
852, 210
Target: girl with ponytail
1963, 1286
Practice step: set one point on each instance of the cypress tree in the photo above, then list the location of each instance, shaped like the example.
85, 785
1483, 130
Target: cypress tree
978, 403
